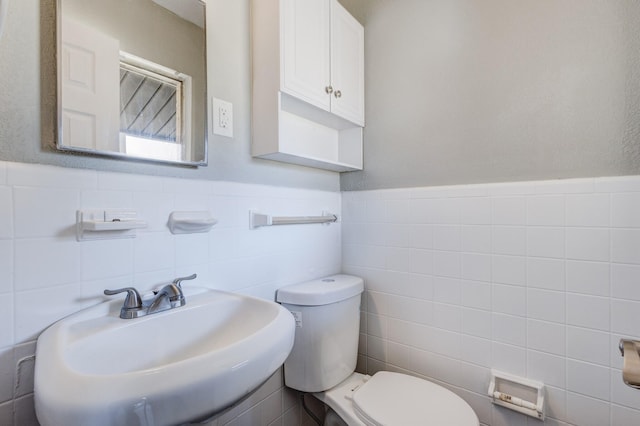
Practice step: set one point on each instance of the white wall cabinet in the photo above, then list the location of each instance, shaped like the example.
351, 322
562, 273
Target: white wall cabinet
308, 83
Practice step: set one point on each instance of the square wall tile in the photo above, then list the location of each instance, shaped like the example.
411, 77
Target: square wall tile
103, 259
588, 210
588, 379
421, 236
624, 281
588, 278
588, 244
545, 242
476, 211
509, 358
476, 322
447, 290
509, 240
447, 237
421, 211
421, 261
446, 211
60, 206
546, 368
546, 305
447, 317
508, 210
545, 210
546, 273
547, 337
481, 353
588, 345
447, 264
397, 259
476, 267
396, 235
153, 251
588, 311
625, 317
585, 411
509, 270
397, 210
509, 329
625, 245
58, 262
625, 210
476, 238
191, 249
476, 294
509, 299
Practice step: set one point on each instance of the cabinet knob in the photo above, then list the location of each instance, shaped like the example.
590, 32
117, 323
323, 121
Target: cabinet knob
328, 89
338, 94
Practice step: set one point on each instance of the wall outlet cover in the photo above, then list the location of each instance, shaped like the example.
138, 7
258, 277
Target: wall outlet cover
222, 117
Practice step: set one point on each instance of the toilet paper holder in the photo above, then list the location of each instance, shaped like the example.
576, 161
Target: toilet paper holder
629, 349
519, 394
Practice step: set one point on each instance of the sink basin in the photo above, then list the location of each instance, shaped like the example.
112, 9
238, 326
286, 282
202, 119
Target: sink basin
94, 368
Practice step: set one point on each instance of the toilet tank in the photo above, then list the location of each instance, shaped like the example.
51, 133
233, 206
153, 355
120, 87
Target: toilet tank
327, 314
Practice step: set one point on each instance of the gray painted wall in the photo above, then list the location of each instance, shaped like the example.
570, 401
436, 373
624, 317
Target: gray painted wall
28, 112
469, 91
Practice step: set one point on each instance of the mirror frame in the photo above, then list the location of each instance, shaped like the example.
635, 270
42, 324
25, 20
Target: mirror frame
112, 154
4, 5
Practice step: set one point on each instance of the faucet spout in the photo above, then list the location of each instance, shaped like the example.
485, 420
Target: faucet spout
169, 296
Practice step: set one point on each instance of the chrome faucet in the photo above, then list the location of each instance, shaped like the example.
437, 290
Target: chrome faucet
168, 297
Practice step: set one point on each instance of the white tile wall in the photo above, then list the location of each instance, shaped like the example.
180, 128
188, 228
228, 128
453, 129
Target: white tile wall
47, 274
539, 279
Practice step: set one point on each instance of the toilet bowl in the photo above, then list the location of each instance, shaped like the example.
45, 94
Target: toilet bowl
388, 398
323, 360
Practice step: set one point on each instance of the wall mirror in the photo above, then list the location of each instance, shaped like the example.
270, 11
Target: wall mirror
3, 12
132, 79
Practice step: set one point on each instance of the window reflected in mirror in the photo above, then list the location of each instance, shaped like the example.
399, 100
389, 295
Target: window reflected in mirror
152, 99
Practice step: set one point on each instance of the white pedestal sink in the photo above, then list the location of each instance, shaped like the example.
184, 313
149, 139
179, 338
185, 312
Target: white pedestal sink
94, 368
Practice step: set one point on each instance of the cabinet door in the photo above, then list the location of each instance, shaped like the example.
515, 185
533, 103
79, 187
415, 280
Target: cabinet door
305, 50
347, 65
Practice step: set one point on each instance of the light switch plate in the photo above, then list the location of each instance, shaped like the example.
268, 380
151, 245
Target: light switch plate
222, 117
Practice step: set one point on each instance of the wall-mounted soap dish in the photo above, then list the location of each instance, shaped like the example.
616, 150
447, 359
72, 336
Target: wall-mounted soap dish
190, 222
107, 224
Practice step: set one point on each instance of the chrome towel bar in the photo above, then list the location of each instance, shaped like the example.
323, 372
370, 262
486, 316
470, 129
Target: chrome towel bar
257, 220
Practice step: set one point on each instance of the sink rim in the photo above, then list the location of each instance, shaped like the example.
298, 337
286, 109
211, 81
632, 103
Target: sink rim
113, 324
55, 380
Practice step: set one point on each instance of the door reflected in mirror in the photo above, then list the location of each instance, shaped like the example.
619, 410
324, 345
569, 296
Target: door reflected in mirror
132, 79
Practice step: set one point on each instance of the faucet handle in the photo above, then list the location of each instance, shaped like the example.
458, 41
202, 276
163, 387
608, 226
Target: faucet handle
133, 299
177, 281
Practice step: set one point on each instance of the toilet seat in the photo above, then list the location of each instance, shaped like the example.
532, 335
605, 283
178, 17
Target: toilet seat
409, 400
391, 399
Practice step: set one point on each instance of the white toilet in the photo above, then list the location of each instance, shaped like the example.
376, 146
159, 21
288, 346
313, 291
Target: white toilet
323, 361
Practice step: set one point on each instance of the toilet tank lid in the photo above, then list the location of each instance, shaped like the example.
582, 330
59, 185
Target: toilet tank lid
321, 291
